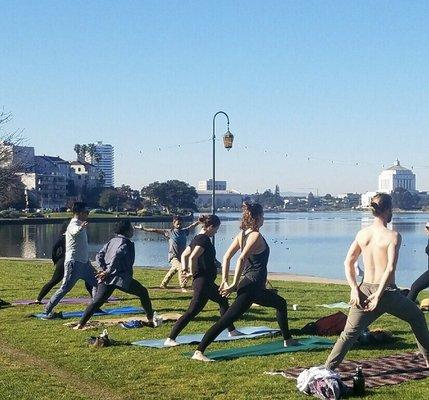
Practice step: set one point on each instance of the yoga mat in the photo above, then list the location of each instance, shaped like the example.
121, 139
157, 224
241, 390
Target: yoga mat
341, 304
95, 324
66, 300
249, 332
268, 348
389, 370
107, 311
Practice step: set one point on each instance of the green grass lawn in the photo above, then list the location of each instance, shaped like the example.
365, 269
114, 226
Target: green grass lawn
45, 360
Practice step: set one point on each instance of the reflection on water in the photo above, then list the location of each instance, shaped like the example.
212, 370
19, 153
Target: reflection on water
301, 243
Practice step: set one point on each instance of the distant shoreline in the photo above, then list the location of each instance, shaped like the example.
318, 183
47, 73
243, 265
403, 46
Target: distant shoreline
60, 220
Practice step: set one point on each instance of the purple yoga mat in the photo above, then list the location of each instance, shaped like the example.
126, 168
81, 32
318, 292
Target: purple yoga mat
66, 300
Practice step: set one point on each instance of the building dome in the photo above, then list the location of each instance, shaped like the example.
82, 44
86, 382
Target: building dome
395, 177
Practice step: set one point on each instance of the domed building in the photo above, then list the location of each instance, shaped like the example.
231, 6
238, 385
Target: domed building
395, 177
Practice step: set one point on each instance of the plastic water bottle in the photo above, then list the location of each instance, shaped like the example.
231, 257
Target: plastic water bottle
359, 382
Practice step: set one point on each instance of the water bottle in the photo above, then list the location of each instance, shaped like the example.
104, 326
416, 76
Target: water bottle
359, 382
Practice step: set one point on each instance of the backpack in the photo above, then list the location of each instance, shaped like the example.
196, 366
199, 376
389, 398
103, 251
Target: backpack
333, 324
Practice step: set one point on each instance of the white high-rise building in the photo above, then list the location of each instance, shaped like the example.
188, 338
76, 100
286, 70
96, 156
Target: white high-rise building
104, 160
396, 176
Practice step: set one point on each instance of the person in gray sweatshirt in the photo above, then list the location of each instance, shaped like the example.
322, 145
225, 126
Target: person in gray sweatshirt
116, 260
76, 263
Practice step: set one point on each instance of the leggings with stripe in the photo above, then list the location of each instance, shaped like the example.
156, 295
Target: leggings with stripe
249, 292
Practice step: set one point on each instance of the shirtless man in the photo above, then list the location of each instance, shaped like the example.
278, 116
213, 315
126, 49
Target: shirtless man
378, 293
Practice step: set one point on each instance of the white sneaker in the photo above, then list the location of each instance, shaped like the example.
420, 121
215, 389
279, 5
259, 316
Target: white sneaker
170, 343
157, 319
235, 332
291, 342
201, 357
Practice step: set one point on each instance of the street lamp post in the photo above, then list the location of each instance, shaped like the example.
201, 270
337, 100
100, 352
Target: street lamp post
228, 139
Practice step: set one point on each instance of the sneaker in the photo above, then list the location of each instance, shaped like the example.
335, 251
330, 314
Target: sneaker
291, 342
157, 319
52, 315
170, 343
235, 332
200, 357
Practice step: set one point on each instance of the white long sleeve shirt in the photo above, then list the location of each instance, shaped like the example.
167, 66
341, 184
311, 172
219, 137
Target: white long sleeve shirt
76, 242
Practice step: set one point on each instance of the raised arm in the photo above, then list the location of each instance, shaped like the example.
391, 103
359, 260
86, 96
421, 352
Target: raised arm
392, 258
349, 265
74, 228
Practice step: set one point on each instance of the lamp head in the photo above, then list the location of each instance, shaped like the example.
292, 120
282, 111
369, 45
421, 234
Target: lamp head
228, 139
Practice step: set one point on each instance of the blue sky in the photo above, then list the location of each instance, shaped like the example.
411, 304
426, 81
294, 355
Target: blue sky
341, 87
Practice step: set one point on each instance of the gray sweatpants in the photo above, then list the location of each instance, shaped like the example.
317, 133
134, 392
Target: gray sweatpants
73, 271
392, 302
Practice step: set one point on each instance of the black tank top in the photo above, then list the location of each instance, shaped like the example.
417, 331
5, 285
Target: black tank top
255, 269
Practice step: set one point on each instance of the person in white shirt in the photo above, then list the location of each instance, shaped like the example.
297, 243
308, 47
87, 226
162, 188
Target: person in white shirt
76, 265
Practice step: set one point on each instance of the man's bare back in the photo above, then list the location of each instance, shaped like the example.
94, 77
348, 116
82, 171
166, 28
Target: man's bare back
380, 248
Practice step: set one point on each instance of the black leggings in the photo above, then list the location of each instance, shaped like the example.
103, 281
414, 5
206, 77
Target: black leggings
247, 294
56, 279
204, 290
422, 282
105, 291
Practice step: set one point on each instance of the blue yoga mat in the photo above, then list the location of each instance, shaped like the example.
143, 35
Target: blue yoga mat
108, 311
249, 332
268, 348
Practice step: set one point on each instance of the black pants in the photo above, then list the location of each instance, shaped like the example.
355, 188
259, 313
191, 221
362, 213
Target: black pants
56, 279
105, 291
248, 293
204, 290
422, 282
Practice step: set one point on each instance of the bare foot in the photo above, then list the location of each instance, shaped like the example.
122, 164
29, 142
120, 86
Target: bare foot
170, 343
291, 342
200, 357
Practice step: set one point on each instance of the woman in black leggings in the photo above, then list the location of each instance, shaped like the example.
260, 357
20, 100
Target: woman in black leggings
201, 255
422, 282
252, 262
116, 259
58, 257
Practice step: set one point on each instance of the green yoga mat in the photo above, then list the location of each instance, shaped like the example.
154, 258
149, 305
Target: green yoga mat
272, 347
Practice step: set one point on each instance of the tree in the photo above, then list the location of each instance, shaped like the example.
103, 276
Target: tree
404, 199
173, 195
268, 199
110, 199
11, 187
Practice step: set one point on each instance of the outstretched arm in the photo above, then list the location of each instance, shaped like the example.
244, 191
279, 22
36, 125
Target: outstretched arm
193, 225
349, 265
392, 258
163, 232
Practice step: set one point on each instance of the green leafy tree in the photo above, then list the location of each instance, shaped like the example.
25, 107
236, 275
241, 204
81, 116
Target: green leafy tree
173, 195
404, 199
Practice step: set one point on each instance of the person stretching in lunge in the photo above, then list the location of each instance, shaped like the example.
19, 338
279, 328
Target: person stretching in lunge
422, 282
76, 263
202, 265
58, 257
378, 293
177, 237
116, 259
252, 263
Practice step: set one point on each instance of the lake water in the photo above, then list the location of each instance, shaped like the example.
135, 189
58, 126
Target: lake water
301, 243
